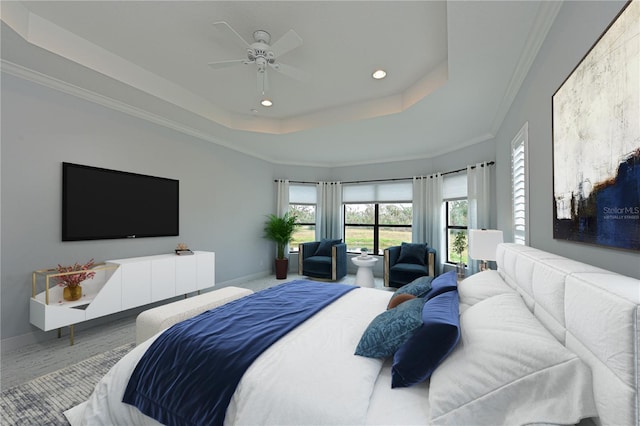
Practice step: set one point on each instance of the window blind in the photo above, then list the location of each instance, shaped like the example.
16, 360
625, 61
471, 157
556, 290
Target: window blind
303, 194
519, 185
377, 192
454, 186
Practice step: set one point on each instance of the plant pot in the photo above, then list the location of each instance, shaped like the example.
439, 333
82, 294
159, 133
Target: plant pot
72, 293
460, 270
282, 265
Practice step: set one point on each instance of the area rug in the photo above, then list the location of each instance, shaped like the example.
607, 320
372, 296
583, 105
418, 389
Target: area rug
42, 401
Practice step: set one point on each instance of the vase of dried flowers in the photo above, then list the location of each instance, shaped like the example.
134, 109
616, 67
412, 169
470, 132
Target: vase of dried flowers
72, 293
71, 278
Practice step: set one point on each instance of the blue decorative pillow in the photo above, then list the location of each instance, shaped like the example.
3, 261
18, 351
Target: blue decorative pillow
412, 253
324, 249
389, 330
418, 357
418, 288
443, 283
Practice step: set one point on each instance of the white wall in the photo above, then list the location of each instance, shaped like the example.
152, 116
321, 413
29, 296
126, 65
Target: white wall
577, 26
224, 195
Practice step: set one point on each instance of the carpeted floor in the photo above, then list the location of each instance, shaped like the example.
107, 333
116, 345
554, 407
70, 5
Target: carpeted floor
42, 401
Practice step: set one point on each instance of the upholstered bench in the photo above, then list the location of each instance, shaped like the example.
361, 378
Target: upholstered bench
154, 320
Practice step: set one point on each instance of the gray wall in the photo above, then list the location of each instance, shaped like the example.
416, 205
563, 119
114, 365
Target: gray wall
224, 195
577, 26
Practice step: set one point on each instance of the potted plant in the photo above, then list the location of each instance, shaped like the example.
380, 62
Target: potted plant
459, 246
70, 277
280, 229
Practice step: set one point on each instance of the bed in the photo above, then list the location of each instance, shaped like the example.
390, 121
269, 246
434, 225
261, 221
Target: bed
542, 340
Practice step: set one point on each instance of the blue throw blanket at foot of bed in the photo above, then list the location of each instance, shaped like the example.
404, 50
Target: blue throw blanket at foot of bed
190, 372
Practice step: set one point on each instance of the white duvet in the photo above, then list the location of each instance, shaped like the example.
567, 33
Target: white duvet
506, 370
308, 377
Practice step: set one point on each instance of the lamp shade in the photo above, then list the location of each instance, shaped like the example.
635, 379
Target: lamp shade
483, 243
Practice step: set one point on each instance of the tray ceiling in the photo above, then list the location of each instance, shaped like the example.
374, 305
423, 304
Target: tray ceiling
453, 69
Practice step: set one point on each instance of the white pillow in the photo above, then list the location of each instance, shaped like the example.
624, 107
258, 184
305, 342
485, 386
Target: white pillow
508, 369
481, 286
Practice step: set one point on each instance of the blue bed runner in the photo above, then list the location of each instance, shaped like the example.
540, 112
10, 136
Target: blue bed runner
190, 372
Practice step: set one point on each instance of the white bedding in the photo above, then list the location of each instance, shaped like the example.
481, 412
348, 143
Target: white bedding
399, 406
312, 377
324, 343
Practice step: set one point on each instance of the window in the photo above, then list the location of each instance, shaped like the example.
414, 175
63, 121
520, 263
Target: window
302, 203
520, 188
457, 223
377, 215
306, 220
376, 226
454, 192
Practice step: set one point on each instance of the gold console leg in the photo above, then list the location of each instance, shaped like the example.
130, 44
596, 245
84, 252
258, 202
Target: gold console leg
71, 335
59, 333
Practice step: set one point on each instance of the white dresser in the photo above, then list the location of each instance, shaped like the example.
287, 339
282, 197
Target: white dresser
119, 285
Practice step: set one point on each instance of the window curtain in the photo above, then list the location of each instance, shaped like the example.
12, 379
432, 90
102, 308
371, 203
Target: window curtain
428, 213
282, 203
329, 210
479, 198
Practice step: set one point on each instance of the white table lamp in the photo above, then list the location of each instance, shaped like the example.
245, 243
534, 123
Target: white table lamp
483, 244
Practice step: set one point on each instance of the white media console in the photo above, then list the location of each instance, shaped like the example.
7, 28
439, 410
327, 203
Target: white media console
119, 285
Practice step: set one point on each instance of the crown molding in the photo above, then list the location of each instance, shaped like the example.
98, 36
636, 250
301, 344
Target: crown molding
540, 28
44, 80
116, 105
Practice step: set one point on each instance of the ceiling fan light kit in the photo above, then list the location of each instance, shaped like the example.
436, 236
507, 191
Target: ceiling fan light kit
379, 74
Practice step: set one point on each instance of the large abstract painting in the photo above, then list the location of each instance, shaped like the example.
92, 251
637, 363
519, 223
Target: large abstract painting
596, 141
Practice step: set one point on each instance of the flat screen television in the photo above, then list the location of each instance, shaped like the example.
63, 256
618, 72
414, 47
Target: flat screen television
101, 204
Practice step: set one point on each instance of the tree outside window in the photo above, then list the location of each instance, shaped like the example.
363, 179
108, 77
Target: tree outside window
306, 221
457, 221
376, 226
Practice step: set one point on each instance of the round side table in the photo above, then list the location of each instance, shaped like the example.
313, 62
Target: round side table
364, 276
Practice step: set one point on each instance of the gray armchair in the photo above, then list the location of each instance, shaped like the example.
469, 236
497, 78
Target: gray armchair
326, 259
405, 263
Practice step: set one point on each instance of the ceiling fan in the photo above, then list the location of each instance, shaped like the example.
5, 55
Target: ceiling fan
263, 54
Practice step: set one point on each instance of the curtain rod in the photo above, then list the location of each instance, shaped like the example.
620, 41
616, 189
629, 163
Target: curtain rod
490, 163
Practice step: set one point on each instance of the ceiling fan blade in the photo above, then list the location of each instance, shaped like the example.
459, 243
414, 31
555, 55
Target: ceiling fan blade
290, 71
224, 26
226, 64
286, 43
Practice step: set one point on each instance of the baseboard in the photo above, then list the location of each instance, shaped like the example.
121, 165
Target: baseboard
15, 342
240, 280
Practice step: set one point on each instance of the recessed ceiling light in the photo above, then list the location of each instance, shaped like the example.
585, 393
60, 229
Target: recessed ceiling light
266, 103
379, 74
